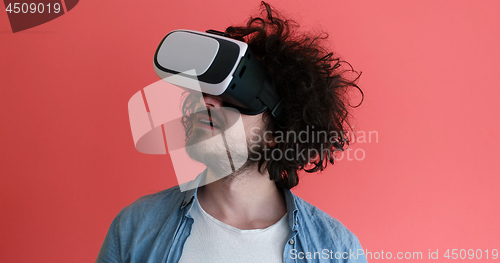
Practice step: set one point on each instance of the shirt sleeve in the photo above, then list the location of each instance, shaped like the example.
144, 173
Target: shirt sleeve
356, 252
110, 249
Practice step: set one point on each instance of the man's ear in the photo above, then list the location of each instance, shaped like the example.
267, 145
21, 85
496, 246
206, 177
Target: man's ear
269, 138
271, 141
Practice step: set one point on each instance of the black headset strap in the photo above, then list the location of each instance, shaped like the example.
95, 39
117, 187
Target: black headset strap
267, 95
272, 100
216, 32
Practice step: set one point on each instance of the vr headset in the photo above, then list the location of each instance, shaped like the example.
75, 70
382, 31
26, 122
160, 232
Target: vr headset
215, 64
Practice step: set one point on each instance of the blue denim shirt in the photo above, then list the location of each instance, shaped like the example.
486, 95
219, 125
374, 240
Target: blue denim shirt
154, 228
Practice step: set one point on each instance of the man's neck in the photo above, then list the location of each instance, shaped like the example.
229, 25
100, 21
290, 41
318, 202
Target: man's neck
248, 200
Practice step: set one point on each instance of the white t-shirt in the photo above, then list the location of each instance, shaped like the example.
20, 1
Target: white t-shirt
213, 241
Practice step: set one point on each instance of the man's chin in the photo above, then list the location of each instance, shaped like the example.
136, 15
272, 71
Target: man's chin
221, 154
203, 148
213, 158
198, 136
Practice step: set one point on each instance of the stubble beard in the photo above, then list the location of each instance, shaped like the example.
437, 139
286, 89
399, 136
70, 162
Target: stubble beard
210, 150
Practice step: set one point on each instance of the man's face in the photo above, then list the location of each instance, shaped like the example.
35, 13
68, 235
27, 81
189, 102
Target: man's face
220, 134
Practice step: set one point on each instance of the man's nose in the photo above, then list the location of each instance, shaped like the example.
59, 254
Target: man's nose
211, 101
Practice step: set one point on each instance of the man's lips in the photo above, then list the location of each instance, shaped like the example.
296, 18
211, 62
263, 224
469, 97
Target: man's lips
204, 119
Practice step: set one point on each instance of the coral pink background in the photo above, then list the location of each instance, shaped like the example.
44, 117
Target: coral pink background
430, 76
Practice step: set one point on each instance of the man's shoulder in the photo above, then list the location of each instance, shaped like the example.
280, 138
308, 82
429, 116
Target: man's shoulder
323, 224
139, 225
154, 206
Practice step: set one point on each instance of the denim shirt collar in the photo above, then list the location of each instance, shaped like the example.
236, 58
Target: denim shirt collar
291, 204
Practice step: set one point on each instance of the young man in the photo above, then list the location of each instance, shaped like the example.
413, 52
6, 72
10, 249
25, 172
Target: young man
251, 215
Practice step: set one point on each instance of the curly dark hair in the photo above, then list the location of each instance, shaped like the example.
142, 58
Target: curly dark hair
313, 84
